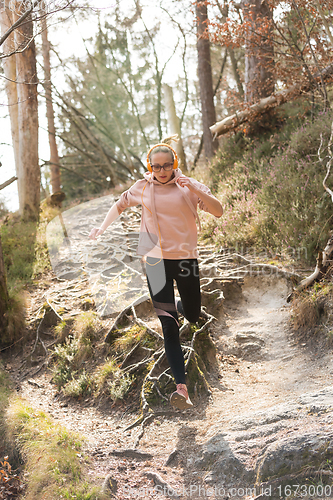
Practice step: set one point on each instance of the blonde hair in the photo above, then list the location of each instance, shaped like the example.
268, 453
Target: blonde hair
165, 149
168, 140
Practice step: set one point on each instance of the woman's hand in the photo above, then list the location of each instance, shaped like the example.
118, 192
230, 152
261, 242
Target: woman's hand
206, 202
96, 231
184, 181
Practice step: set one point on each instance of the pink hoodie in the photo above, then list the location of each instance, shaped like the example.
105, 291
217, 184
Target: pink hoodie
169, 214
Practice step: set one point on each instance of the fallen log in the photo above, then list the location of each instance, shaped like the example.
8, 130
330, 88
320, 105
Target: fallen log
324, 262
255, 110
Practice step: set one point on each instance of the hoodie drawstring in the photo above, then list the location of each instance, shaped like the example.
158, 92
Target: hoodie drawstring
154, 215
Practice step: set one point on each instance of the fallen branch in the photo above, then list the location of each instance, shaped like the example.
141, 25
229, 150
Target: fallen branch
7, 183
272, 101
324, 260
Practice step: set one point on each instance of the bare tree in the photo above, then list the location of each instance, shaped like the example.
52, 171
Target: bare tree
205, 79
26, 81
4, 299
9, 67
54, 157
20, 19
174, 123
259, 50
20, 70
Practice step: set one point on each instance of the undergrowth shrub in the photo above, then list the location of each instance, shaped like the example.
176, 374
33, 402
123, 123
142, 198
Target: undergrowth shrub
78, 386
62, 330
271, 190
64, 356
69, 359
15, 317
112, 381
120, 385
25, 258
312, 308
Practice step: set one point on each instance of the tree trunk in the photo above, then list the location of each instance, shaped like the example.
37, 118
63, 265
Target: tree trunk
235, 71
174, 123
9, 67
205, 79
26, 77
259, 51
54, 157
4, 299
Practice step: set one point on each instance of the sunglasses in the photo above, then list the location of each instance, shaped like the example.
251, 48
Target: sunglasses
166, 167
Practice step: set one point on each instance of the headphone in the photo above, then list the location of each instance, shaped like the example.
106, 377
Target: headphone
175, 157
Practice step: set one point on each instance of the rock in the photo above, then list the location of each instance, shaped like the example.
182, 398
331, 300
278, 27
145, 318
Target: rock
160, 485
70, 275
318, 401
243, 338
250, 349
173, 459
263, 445
292, 453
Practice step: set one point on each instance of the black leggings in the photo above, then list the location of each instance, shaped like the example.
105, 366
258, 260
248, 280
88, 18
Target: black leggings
160, 278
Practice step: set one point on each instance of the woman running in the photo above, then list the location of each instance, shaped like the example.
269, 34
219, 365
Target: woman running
168, 243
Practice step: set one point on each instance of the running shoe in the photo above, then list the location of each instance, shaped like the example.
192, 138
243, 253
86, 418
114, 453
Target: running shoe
180, 398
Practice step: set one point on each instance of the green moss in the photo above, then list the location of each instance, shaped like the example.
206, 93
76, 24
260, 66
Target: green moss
206, 349
151, 395
52, 455
196, 377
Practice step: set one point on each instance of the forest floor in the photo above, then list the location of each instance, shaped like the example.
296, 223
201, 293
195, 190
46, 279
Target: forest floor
260, 363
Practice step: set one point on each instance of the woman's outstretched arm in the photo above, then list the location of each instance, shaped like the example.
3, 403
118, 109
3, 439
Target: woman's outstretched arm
213, 205
110, 217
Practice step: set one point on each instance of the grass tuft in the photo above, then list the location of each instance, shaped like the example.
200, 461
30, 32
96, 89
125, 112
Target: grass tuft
129, 337
87, 326
81, 385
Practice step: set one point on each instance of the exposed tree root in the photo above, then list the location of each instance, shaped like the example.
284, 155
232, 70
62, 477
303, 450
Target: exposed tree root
50, 316
158, 377
138, 321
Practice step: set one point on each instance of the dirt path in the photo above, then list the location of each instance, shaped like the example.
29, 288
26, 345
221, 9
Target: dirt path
282, 369
260, 365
